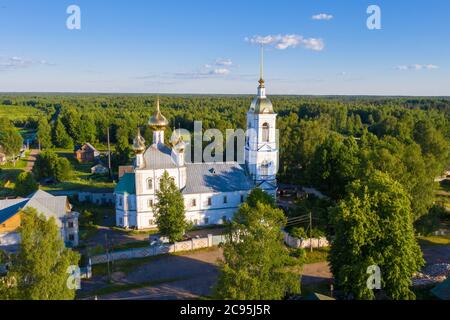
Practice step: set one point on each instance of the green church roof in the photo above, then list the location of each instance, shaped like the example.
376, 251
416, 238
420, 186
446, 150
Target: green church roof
442, 291
127, 184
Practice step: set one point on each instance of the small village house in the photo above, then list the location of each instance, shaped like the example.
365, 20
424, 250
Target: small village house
86, 153
99, 169
46, 204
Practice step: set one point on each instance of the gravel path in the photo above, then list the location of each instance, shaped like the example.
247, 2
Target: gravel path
31, 160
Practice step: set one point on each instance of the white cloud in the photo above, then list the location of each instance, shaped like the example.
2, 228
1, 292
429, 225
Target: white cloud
322, 16
283, 42
220, 71
14, 63
224, 62
417, 67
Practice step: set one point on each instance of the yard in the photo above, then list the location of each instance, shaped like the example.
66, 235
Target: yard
82, 176
9, 174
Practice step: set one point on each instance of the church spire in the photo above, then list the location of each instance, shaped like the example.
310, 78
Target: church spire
261, 68
262, 86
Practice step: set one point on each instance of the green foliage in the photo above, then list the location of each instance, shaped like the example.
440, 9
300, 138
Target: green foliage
430, 222
40, 269
374, 226
256, 263
61, 139
49, 165
260, 196
44, 133
169, 209
299, 232
26, 184
10, 139
335, 164
123, 148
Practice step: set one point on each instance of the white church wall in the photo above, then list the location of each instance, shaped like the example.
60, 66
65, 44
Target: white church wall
143, 176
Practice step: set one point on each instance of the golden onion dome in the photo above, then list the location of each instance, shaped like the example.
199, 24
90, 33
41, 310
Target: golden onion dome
157, 120
261, 105
175, 138
139, 143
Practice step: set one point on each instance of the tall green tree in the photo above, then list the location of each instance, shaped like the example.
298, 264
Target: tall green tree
26, 184
10, 139
335, 164
256, 262
40, 271
61, 138
123, 148
374, 226
49, 165
44, 133
169, 209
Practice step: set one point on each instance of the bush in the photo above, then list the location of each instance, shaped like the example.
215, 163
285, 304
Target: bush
86, 218
298, 232
299, 253
49, 165
25, 184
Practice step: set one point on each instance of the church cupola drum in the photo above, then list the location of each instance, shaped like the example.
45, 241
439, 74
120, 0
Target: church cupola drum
158, 123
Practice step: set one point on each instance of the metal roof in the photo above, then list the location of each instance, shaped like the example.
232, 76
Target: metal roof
127, 184
159, 156
43, 202
216, 177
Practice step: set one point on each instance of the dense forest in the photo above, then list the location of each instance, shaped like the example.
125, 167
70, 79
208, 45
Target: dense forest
326, 142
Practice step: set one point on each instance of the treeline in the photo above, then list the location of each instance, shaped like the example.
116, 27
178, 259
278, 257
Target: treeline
326, 142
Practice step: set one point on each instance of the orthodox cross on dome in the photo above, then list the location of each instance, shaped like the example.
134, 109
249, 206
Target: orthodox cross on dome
262, 86
261, 70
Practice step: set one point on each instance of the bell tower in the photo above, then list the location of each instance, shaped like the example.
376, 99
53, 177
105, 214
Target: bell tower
261, 147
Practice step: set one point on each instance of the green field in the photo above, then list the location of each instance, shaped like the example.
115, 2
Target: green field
19, 113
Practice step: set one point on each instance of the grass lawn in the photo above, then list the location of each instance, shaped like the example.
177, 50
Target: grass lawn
83, 178
434, 240
120, 247
318, 255
9, 174
19, 113
135, 232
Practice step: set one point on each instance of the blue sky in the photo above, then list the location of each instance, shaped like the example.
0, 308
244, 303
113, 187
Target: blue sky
200, 46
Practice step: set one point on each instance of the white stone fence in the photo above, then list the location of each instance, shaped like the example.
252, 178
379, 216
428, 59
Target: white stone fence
293, 242
194, 244
160, 249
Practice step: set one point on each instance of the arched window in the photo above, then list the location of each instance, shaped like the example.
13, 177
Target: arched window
265, 132
149, 184
265, 168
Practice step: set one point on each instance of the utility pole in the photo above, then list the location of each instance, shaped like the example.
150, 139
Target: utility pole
310, 231
109, 154
107, 256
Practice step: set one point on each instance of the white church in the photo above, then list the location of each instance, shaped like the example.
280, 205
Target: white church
212, 191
